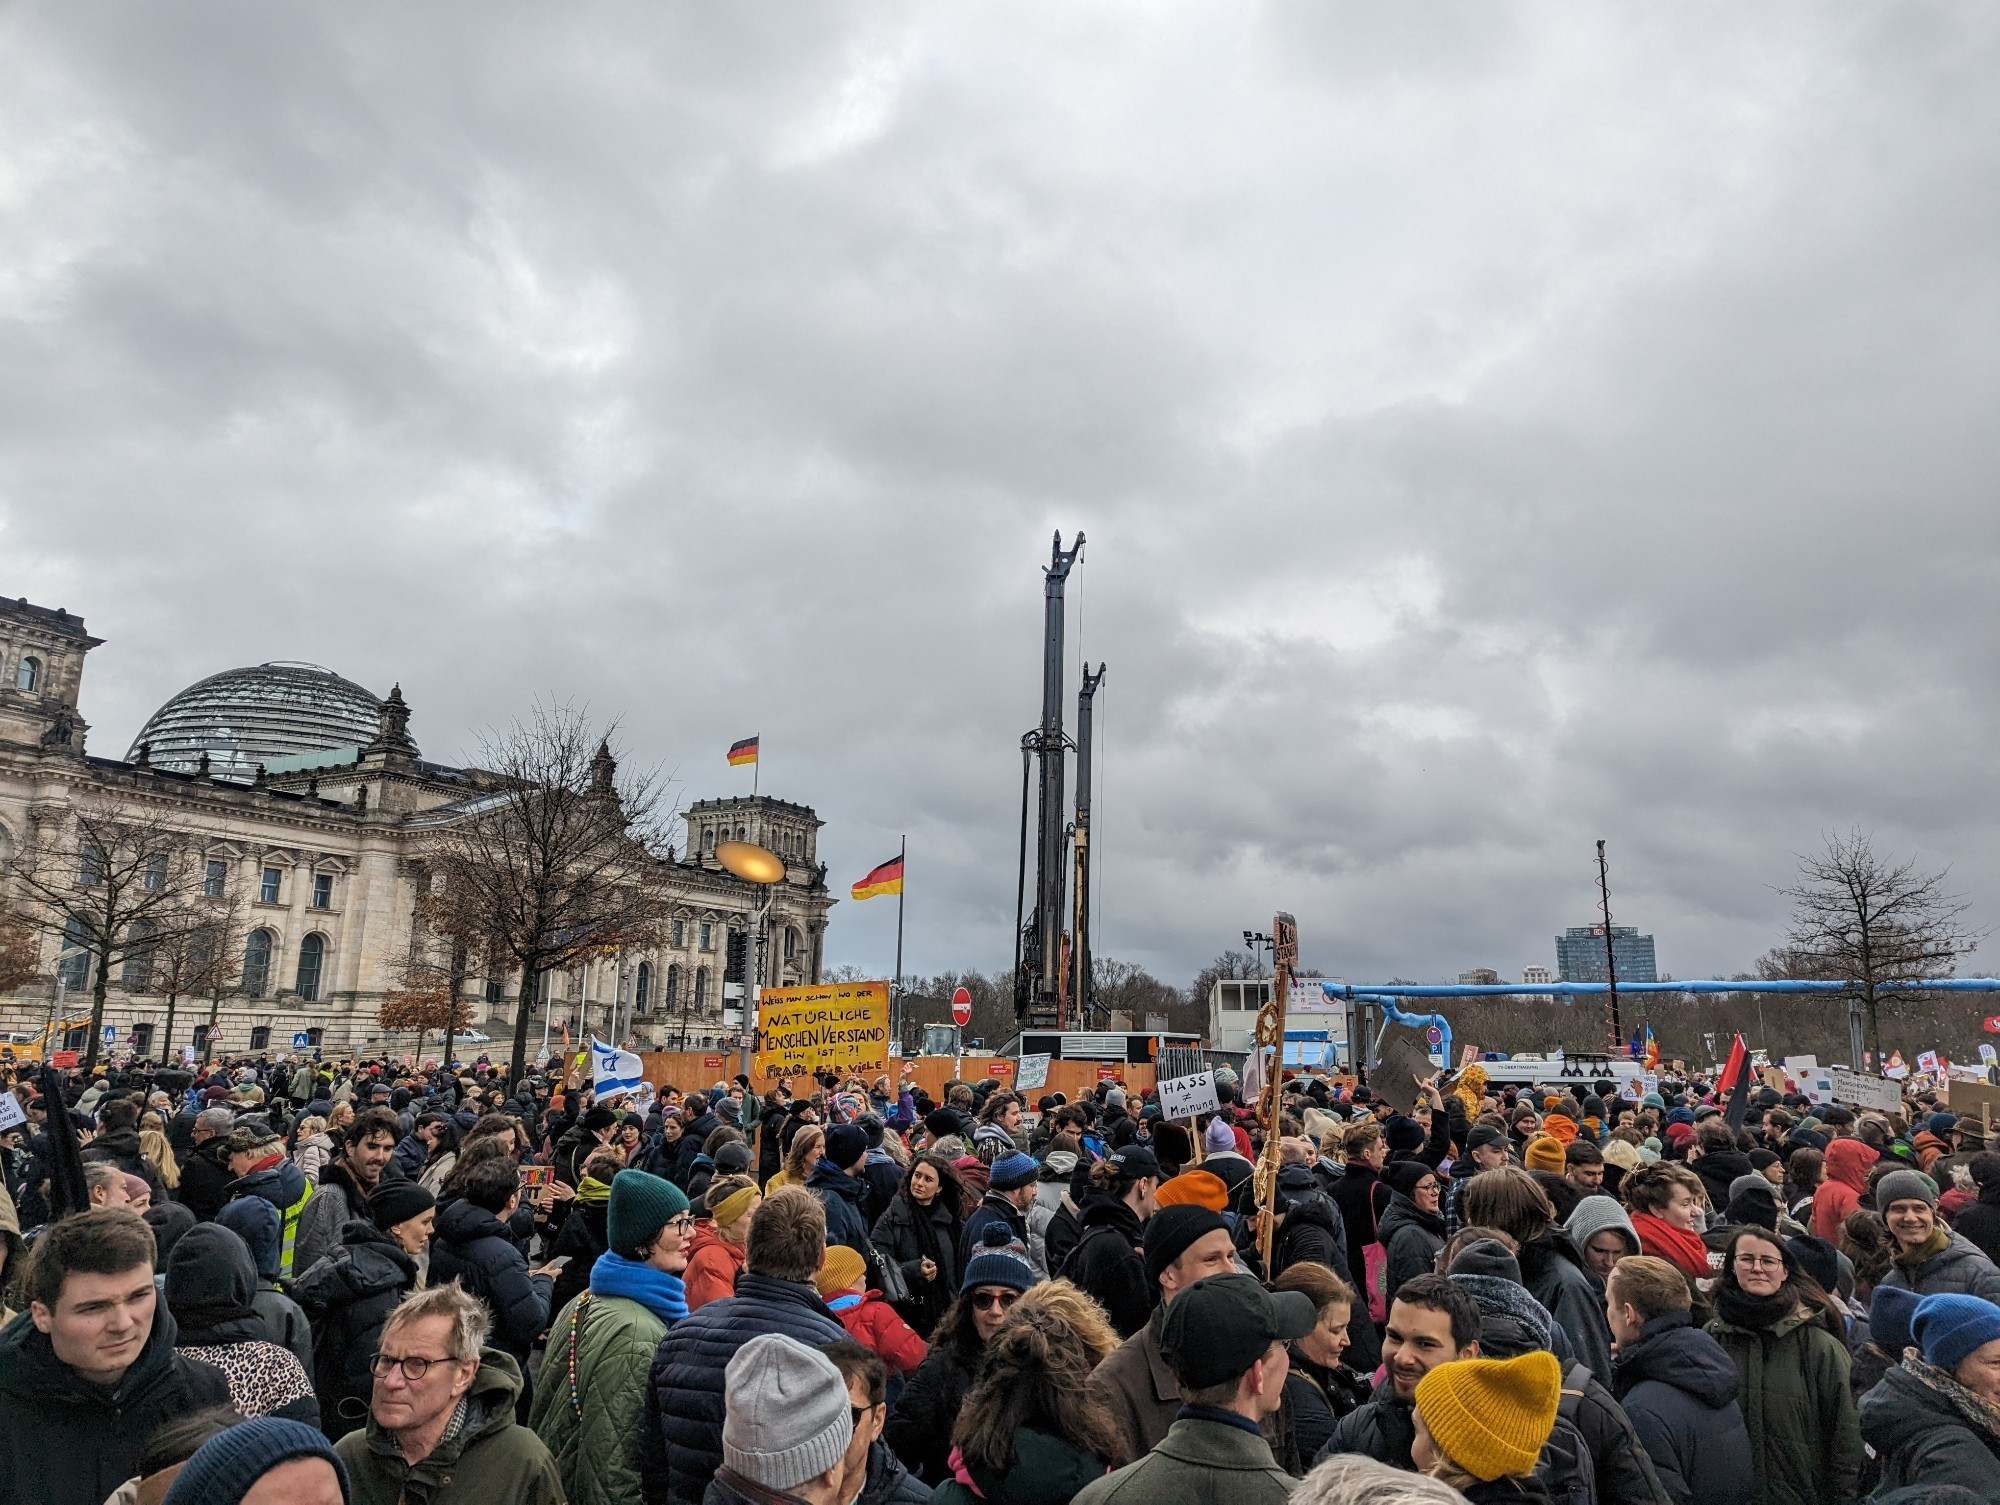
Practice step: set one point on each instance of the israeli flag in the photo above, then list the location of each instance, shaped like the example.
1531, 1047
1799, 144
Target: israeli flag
612, 1069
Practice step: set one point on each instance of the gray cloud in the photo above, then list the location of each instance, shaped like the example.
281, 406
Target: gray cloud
1496, 427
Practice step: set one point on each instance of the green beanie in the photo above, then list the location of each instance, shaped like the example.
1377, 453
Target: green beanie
641, 1205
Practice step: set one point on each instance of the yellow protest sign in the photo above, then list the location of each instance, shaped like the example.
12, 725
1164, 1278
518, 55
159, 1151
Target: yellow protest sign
841, 1027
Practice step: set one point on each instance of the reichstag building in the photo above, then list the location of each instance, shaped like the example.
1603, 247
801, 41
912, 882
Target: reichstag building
308, 796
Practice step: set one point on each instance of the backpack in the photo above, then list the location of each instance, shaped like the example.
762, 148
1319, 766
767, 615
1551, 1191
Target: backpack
1566, 1468
1375, 1267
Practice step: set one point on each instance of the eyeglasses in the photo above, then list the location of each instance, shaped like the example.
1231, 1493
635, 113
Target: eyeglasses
414, 1366
680, 1227
1759, 1262
987, 1300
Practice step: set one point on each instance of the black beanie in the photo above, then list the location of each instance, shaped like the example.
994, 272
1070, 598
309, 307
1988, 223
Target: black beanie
1403, 1135
1170, 1232
394, 1202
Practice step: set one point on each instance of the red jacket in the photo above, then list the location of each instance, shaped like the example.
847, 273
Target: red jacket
712, 1267
873, 1323
1847, 1162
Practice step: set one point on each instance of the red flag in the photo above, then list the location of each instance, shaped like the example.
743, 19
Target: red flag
1734, 1068
1736, 1082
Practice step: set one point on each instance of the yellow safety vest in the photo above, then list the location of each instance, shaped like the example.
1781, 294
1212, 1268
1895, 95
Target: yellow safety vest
288, 1247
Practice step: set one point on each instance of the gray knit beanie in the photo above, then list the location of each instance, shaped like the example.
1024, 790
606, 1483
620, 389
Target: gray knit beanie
787, 1417
1904, 1186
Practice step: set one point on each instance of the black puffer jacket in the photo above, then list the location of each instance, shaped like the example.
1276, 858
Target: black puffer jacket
1980, 1222
682, 1447
1679, 1389
1383, 1429
474, 1248
1920, 1437
1412, 1238
693, 1137
348, 1296
840, 1194
910, 1234
583, 1238
1312, 1231
1553, 1270
205, 1179
65, 1441
1106, 1261
1717, 1170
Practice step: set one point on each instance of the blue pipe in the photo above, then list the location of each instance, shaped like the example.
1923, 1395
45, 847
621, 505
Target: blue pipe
1386, 995
1339, 991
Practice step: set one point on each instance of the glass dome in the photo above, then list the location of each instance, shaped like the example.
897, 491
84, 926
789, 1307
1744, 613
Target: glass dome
244, 717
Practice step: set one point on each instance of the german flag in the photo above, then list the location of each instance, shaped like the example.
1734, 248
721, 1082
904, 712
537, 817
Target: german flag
742, 752
886, 879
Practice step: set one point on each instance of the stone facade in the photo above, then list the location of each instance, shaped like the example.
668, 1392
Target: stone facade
317, 851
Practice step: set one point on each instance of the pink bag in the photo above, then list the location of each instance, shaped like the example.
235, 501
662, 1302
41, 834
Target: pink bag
1375, 1270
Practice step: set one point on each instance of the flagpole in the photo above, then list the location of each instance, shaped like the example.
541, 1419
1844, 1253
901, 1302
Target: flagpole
903, 861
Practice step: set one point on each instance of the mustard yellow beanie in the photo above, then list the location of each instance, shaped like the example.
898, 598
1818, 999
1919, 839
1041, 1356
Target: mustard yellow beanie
841, 1270
1492, 1416
1545, 1153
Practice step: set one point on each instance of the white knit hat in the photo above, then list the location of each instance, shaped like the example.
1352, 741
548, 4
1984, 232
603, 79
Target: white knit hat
788, 1418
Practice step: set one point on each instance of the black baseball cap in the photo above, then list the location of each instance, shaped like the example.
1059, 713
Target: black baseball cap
1217, 1328
1136, 1161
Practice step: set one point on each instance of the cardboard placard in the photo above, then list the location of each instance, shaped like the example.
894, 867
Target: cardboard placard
1032, 1072
1186, 1096
1871, 1092
1401, 1062
838, 1027
12, 1115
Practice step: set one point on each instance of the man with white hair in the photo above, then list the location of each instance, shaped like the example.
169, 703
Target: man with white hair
205, 1173
441, 1422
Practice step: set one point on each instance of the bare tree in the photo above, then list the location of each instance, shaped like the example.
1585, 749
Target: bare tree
20, 952
561, 860
1228, 964
1129, 989
112, 885
1874, 923
201, 959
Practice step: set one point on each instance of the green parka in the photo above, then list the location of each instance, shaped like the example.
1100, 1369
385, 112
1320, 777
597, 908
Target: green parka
1047, 1471
1804, 1438
597, 1451
1198, 1462
489, 1461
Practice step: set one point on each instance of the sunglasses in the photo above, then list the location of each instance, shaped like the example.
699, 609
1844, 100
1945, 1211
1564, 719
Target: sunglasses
987, 1300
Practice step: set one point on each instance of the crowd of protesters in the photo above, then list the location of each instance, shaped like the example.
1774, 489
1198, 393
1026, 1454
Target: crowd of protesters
329, 1282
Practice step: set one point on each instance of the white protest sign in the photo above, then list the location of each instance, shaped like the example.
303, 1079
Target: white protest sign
1859, 1091
11, 1116
1032, 1071
1185, 1096
1798, 1068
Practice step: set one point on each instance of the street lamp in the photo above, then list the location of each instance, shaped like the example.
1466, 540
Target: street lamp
1257, 943
762, 868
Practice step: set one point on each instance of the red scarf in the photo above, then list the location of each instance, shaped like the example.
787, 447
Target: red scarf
1683, 1250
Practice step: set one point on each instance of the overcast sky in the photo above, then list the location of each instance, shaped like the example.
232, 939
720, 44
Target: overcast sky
1496, 427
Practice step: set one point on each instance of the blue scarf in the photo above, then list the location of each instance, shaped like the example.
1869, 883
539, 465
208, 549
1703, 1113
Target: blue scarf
658, 1292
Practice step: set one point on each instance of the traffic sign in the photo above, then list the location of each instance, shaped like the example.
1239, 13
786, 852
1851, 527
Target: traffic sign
110, 1034
1991, 1024
301, 1040
1434, 1037
961, 1007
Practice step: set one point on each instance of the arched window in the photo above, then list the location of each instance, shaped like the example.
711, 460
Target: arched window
792, 942
257, 964
700, 988
642, 987
312, 955
29, 675
673, 987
